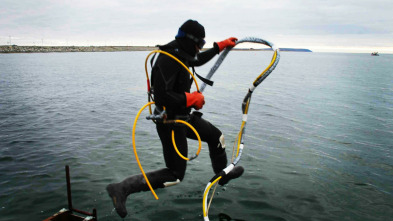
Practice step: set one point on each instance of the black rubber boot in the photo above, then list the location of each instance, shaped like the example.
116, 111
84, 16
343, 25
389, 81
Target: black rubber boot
118, 192
118, 197
236, 172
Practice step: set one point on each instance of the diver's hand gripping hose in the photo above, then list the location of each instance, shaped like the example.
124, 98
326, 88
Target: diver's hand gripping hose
230, 42
195, 100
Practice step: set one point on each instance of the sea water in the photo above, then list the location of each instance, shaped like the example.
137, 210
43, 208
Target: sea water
318, 143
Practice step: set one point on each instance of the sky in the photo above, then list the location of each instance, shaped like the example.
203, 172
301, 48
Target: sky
356, 26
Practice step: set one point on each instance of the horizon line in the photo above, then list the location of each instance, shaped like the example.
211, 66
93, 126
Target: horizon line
324, 50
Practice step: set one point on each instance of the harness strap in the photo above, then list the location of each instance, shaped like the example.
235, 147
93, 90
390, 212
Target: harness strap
204, 80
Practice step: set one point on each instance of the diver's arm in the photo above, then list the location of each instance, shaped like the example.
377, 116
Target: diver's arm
205, 56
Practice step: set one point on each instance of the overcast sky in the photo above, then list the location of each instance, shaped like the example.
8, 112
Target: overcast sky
320, 25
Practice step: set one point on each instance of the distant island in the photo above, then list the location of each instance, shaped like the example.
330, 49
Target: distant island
295, 49
47, 49
269, 49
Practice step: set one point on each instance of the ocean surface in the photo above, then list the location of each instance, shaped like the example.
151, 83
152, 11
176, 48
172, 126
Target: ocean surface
318, 144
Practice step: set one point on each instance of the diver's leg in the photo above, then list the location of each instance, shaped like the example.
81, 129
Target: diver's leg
169, 176
137, 183
215, 139
172, 160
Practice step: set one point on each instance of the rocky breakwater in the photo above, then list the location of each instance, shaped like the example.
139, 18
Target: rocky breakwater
47, 49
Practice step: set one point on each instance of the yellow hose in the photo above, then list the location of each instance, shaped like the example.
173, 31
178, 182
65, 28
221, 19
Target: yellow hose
197, 135
173, 140
149, 104
136, 155
180, 121
241, 129
174, 58
205, 195
239, 136
268, 67
239, 139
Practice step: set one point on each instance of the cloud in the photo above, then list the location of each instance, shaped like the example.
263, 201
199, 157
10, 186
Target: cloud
156, 22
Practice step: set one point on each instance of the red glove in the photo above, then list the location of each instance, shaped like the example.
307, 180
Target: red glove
195, 99
230, 42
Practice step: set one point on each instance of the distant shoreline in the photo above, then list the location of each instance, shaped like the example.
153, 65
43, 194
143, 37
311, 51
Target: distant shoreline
48, 49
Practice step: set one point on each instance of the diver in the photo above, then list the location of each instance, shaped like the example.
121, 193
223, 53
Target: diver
171, 86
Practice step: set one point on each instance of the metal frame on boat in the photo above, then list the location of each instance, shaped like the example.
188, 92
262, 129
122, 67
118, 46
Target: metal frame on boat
69, 214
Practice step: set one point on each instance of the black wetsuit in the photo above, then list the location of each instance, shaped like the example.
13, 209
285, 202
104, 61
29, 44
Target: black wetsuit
170, 81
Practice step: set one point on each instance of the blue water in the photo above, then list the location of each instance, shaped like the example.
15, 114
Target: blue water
318, 144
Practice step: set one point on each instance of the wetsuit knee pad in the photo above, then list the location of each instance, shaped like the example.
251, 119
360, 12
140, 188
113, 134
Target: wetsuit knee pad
221, 143
218, 147
217, 139
171, 183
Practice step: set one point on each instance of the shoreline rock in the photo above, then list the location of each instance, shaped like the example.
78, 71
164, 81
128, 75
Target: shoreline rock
49, 49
